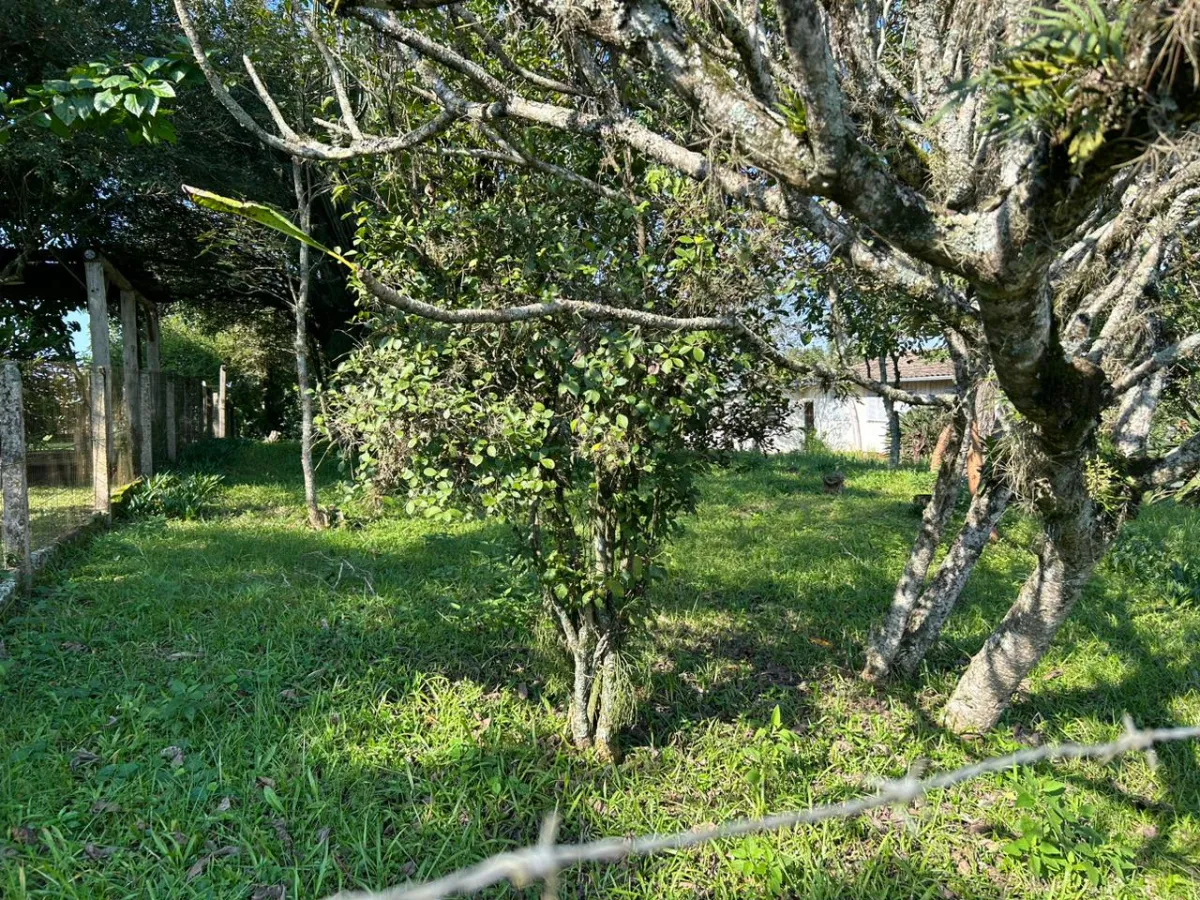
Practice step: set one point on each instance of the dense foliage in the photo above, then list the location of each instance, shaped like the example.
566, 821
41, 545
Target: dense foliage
587, 441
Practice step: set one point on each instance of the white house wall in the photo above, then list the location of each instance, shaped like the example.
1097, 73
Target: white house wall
855, 423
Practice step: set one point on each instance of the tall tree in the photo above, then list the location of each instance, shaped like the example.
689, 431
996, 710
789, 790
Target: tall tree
1042, 204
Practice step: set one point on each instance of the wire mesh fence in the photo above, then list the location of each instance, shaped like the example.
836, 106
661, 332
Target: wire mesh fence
58, 448
151, 417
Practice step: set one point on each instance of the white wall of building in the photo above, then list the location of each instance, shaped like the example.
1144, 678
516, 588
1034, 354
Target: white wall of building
855, 423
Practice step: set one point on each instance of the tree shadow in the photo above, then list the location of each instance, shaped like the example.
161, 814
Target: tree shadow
736, 635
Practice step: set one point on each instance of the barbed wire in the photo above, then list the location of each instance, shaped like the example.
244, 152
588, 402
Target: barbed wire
545, 860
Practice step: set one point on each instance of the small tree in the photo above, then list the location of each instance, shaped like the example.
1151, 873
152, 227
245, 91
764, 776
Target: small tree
581, 440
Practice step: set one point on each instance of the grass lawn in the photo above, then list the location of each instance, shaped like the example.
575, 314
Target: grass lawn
201, 709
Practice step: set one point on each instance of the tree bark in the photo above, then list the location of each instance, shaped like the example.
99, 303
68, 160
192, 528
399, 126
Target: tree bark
300, 344
1076, 536
885, 640
1016, 646
940, 597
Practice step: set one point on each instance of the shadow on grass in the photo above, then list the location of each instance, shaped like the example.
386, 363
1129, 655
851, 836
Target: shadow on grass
773, 589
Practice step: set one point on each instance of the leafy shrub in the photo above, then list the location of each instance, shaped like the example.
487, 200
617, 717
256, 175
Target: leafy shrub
172, 496
920, 428
1178, 580
1054, 837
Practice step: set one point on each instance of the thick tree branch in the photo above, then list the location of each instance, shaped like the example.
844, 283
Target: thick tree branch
643, 318
1179, 465
1160, 360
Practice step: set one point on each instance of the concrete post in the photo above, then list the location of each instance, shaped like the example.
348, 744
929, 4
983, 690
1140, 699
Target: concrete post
102, 401
13, 481
101, 440
147, 425
131, 407
169, 387
221, 397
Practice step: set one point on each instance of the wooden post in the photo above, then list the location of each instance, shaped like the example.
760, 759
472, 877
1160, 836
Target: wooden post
131, 407
169, 387
205, 418
216, 414
102, 401
221, 432
147, 425
12, 472
101, 440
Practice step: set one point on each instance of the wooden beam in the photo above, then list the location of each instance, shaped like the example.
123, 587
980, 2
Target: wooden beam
113, 273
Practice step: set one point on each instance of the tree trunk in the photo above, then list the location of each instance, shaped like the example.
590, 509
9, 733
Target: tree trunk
598, 700
940, 597
1075, 538
610, 706
300, 345
885, 640
581, 695
893, 415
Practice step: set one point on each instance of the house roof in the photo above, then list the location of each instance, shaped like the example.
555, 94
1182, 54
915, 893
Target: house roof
913, 367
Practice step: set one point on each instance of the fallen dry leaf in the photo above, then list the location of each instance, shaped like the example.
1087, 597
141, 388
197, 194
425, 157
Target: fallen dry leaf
225, 804
281, 832
105, 806
201, 864
23, 834
323, 836
269, 892
73, 647
263, 781
83, 758
173, 755
183, 654
95, 851
523, 691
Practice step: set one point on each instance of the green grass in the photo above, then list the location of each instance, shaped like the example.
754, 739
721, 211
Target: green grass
55, 511
255, 704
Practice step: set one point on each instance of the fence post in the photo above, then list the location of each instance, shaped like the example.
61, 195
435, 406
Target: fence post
12, 472
131, 406
216, 414
147, 427
221, 420
170, 423
205, 418
101, 433
102, 403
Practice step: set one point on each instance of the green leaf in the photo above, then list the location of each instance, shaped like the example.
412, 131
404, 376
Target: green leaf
64, 110
263, 215
134, 104
104, 101
272, 799
547, 462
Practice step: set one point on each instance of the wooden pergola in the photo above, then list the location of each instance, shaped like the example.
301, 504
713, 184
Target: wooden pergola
137, 384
